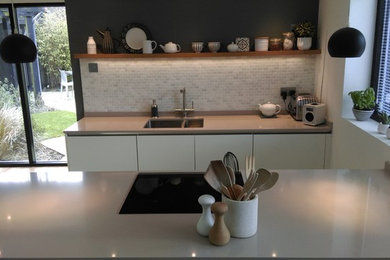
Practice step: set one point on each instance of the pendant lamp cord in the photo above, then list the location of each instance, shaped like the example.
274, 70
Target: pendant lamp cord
16, 31
323, 67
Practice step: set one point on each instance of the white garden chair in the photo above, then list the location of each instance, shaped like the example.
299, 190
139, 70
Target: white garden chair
64, 81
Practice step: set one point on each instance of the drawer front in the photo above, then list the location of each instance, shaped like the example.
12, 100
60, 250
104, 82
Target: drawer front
290, 151
214, 147
166, 153
102, 153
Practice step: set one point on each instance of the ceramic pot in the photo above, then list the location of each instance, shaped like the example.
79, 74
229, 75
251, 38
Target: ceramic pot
232, 47
241, 218
382, 128
388, 133
304, 43
362, 115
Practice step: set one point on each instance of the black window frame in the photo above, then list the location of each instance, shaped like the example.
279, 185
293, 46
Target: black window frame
377, 50
32, 162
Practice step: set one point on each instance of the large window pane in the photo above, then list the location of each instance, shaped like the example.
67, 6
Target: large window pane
51, 100
12, 134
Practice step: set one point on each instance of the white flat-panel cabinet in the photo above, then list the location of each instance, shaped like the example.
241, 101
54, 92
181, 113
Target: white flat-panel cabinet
290, 151
102, 153
166, 153
214, 147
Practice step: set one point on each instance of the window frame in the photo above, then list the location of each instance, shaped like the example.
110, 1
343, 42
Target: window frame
377, 50
28, 128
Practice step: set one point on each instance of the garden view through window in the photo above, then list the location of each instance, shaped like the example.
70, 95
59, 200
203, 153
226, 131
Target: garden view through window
49, 84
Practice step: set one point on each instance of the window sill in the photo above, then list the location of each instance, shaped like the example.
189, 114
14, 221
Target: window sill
370, 127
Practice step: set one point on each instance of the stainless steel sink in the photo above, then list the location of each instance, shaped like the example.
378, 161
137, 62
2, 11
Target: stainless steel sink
164, 123
174, 123
193, 123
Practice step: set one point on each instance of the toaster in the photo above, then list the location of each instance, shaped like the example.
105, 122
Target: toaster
295, 107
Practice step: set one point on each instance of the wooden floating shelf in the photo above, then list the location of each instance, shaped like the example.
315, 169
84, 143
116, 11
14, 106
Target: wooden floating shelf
195, 55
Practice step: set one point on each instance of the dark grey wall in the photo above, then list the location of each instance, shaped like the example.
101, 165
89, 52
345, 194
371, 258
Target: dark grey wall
182, 21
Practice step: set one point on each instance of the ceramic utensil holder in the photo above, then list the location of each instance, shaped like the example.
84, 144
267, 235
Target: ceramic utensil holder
241, 218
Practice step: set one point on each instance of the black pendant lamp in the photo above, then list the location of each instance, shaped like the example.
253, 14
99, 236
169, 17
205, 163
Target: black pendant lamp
17, 48
346, 43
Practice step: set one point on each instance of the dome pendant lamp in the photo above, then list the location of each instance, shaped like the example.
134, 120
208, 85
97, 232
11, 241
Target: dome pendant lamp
346, 42
17, 48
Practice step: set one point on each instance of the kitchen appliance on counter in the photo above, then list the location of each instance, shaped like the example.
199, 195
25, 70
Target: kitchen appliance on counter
168, 193
295, 106
314, 114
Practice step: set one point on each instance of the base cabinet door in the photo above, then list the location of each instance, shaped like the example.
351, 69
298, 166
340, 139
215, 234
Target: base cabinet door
214, 147
102, 153
173, 153
290, 151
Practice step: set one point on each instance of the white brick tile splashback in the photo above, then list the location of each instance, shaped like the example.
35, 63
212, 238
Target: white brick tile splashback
214, 84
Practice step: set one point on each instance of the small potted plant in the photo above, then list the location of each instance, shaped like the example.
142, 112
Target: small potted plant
304, 31
363, 103
384, 122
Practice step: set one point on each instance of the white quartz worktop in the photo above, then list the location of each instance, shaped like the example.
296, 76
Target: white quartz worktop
309, 213
283, 123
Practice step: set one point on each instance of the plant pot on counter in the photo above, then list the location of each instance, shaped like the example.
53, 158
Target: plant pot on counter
362, 115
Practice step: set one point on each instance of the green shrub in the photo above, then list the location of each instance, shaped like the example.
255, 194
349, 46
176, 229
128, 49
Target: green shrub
9, 94
12, 136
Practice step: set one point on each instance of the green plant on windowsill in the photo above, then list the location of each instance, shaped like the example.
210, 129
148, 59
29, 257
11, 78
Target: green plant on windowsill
363, 99
384, 118
383, 125
363, 103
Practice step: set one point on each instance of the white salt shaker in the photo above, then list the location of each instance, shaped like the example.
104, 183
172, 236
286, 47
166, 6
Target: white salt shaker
91, 45
206, 220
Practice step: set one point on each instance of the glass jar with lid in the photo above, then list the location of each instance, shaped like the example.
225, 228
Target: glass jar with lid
275, 44
288, 40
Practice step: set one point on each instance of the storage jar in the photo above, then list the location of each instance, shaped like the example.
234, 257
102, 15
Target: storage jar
261, 43
275, 44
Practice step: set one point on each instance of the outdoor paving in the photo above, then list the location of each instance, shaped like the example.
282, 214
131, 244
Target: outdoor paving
58, 101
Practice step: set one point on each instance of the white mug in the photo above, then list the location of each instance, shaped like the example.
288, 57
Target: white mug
148, 47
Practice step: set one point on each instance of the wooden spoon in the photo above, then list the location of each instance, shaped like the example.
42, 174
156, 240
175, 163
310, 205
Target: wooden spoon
232, 176
248, 185
212, 179
266, 186
222, 173
263, 178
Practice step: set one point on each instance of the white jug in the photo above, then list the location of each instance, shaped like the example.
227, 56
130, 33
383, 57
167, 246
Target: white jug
149, 46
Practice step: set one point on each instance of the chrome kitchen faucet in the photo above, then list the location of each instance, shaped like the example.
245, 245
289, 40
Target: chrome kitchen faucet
184, 110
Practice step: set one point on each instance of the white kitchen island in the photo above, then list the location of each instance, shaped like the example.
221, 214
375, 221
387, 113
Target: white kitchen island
309, 213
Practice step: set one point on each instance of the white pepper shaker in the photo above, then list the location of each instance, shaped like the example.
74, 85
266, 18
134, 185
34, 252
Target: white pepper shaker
206, 220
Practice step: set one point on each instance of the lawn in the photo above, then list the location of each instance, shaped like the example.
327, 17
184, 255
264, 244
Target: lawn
51, 124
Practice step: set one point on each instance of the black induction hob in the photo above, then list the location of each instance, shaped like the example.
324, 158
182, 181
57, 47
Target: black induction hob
168, 193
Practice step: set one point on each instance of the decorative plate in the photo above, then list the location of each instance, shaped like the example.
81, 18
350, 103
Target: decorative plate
133, 36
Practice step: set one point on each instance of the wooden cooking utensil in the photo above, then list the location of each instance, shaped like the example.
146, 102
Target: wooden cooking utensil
266, 186
221, 172
212, 179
